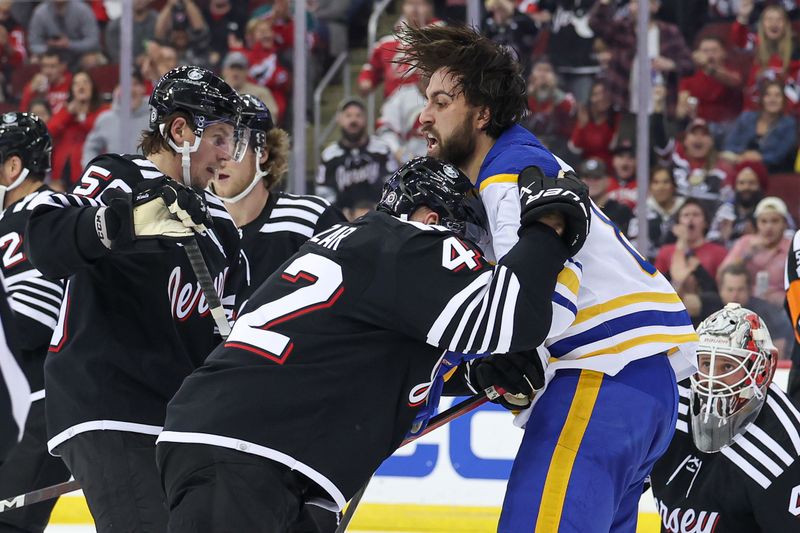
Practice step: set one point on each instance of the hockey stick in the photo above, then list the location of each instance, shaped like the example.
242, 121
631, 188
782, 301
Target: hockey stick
204, 278
40, 495
437, 421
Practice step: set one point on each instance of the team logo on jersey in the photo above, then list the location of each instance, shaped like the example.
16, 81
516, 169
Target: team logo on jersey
686, 520
185, 299
195, 74
9, 118
451, 172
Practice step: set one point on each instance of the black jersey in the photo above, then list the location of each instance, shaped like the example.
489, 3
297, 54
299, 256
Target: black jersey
751, 486
286, 222
332, 356
132, 325
14, 391
34, 299
353, 175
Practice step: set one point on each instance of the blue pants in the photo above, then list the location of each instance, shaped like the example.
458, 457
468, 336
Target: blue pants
589, 444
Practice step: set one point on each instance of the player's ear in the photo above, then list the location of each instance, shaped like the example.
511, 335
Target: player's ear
483, 118
180, 131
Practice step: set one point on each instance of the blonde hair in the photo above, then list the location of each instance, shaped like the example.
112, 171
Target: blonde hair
783, 47
277, 144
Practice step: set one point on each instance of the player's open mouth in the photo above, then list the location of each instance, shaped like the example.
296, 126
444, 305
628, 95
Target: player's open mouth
432, 141
223, 177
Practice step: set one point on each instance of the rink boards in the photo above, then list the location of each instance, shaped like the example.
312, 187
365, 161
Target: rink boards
452, 480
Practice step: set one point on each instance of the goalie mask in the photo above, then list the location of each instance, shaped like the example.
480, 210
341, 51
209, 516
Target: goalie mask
24, 135
736, 361
208, 100
430, 182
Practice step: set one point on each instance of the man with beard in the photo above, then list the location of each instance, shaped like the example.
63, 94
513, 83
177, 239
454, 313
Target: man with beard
699, 171
734, 219
272, 224
618, 335
354, 168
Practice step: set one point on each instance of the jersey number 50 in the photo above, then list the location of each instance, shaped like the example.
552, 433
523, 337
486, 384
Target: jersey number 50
252, 332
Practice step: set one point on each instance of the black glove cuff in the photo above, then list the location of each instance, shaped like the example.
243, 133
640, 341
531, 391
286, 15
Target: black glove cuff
89, 243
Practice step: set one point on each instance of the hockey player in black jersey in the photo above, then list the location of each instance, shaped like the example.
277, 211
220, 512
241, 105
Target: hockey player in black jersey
272, 224
15, 394
25, 149
134, 321
732, 466
333, 355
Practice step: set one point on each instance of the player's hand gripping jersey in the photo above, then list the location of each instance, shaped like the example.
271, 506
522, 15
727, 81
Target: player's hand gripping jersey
121, 310
610, 305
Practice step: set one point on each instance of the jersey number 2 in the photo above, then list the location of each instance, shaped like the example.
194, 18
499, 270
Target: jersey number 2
323, 286
12, 255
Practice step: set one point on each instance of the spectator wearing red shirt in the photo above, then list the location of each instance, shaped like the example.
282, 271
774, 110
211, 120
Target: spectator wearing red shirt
382, 66
12, 37
552, 111
699, 171
52, 82
691, 250
70, 126
714, 91
597, 125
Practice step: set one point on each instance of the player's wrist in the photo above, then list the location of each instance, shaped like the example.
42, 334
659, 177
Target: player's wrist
90, 245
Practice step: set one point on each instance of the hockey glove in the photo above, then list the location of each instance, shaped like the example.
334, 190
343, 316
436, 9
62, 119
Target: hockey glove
567, 195
520, 374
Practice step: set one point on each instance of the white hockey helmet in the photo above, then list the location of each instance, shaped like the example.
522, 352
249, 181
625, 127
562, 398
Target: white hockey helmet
736, 360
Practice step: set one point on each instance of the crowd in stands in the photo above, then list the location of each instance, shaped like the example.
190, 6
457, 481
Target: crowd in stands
724, 184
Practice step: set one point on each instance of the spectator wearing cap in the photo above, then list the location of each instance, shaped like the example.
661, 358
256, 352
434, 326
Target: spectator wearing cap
669, 60
623, 167
768, 135
736, 218
663, 203
354, 169
66, 25
764, 252
596, 127
714, 92
144, 29
234, 72
593, 172
51, 83
552, 111
699, 171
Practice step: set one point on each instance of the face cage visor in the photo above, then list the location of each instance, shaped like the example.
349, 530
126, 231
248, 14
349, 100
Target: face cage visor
728, 392
228, 139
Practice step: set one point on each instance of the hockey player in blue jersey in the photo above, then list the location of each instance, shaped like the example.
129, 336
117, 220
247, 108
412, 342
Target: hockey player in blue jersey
619, 334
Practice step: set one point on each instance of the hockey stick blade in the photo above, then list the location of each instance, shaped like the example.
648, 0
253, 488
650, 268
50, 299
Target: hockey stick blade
437, 421
40, 495
207, 285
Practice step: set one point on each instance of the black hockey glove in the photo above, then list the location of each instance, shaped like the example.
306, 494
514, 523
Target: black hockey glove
567, 195
520, 374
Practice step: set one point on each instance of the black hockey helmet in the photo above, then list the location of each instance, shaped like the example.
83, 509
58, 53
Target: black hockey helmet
256, 116
25, 135
431, 182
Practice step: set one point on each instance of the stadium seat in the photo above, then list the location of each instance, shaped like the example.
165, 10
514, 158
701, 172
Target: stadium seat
787, 187
105, 79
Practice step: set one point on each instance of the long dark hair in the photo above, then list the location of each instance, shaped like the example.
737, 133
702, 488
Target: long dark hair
94, 99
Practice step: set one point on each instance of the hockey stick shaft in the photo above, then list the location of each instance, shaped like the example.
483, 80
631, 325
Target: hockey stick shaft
40, 495
207, 285
437, 421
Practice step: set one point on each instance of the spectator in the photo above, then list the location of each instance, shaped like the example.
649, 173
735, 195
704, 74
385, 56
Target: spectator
399, 126
354, 168
597, 125
670, 59
593, 172
735, 286
234, 72
663, 204
104, 136
736, 218
70, 126
714, 91
512, 29
332, 16
382, 67
226, 21
764, 252
66, 25
691, 249
265, 67
52, 82
768, 135
571, 44
773, 44
623, 167
552, 111
41, 108
180, 23
699, 172
144, 30
12, 38
159, 59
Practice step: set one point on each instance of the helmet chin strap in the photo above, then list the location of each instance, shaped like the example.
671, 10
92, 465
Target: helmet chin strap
186, 150
259, 175
17, 182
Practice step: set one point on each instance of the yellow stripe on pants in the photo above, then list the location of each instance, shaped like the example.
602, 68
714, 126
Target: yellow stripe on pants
569, 441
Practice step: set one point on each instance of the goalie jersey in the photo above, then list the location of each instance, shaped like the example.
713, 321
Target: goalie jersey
334, 354
131, 325
751, 486
610, 305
